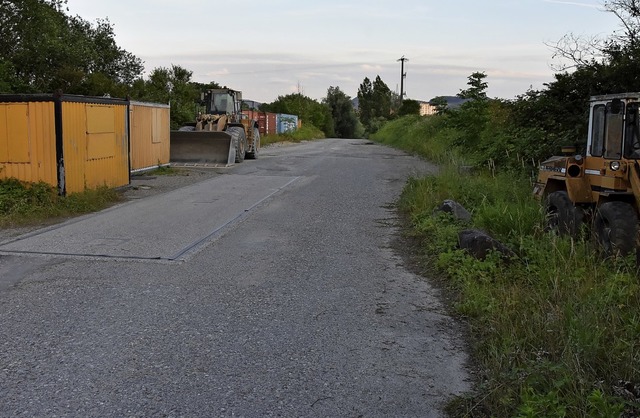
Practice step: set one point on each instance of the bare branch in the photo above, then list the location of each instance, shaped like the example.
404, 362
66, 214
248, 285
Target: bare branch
628, 13
573, 51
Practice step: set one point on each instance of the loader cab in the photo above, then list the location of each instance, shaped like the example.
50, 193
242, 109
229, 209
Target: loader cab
614, 127
220, 101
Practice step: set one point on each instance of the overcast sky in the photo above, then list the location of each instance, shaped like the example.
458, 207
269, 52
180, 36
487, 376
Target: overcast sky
270, 48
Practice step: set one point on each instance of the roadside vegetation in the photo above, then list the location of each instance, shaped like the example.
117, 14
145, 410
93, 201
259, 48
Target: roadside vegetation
554, 329
23, 204
305, 133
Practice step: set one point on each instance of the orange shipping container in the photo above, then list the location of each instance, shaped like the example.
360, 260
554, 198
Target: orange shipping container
71, 142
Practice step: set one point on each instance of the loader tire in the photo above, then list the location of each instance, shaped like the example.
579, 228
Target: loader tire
239, 138
253, 154
615, 228
563, 216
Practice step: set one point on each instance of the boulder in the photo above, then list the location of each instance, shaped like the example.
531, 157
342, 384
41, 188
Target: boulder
456, 209
478, 244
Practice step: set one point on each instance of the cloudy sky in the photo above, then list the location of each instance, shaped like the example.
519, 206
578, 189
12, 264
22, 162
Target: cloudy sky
268, 48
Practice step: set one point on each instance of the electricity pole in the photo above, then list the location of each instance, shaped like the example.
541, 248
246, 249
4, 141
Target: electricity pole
403, 75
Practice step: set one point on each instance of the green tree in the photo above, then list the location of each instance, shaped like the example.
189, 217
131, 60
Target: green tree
477, 87
374, 104
309, 110
344, 117
42, 49
471, 118
440, 103
381, 99
171, 85
365, 101
409, 107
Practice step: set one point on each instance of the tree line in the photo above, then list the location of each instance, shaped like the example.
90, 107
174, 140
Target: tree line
45, 49
517, 134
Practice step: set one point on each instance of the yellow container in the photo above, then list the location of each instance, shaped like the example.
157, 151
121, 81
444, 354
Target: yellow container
149, 128
72, 142
28, 141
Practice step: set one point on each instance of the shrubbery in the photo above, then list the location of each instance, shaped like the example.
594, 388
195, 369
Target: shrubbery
556, 329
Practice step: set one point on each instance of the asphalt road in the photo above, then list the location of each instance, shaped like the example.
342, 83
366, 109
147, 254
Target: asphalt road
270, 290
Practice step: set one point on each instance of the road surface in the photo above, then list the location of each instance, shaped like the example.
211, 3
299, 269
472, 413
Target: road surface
270, 290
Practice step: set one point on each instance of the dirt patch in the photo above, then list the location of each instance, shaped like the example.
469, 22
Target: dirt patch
145, 185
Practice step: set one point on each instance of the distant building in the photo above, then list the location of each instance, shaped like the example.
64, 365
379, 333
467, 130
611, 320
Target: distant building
431, 108
427, 109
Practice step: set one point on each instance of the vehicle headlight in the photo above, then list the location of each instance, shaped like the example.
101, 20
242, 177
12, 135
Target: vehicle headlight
614, 165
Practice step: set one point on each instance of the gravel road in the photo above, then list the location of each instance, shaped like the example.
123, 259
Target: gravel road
294, 303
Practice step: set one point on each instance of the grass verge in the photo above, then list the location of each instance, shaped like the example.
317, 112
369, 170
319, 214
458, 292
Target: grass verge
304, 133
24, 203
555, 330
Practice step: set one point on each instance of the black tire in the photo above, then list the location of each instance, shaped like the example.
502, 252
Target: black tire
563, 216
255, 149
615, 228
239, 138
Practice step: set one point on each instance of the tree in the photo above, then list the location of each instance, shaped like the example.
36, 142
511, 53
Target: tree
42, 50
409, 107
171, 85
440, 103
381, 99
374, 103
309, 110
344, 117
472, 117
585, 50
477, 87
365, 101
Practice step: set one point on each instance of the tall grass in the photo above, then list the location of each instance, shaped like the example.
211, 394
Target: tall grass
555, 329
304, 133
24, 203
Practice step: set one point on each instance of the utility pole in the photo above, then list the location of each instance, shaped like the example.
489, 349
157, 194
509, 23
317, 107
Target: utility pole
403, 75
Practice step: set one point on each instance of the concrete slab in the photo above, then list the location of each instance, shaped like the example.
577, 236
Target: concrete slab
168, 226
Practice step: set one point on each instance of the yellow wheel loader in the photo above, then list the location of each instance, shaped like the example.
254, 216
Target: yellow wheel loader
220, 135
600, 189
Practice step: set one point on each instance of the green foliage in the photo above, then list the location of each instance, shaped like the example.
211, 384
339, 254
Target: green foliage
375, 103
42, 49
345, 122
440, 104
24, 203
552, 323
409, 107
556, 328
431, 137
305, 133
172, 85
477, 90
309, 110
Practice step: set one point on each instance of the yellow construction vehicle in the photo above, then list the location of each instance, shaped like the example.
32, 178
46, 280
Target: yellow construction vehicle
220, 135
601, 188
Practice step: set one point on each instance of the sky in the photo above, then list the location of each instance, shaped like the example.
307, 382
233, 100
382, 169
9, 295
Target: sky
270, 48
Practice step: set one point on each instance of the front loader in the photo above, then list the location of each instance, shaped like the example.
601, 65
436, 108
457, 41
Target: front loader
600, 189
219, 135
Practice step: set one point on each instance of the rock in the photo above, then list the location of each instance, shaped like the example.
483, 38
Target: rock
456, 209
478, 244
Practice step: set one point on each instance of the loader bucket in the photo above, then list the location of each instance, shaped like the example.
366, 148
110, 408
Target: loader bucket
202, 147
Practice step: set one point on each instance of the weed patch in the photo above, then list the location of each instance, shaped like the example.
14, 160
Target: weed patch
23, 203
556, 329
305, 133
